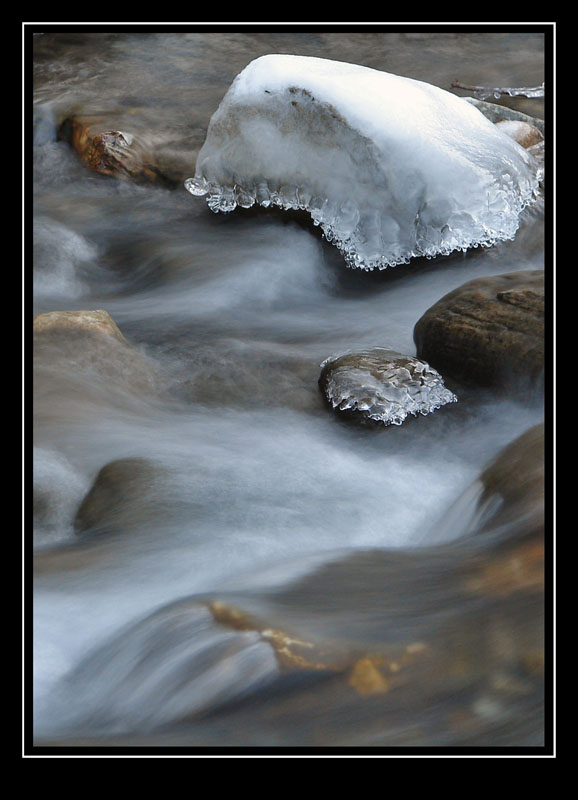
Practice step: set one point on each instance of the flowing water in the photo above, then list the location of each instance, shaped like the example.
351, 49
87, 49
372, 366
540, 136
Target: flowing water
256, 485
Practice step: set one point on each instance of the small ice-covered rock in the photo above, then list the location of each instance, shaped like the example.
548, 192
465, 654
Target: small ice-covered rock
390, 167
383, 385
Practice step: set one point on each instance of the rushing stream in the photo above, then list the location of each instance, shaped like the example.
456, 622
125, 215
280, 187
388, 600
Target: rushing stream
246, 486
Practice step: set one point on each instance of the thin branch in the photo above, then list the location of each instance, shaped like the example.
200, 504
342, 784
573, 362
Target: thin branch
485, 91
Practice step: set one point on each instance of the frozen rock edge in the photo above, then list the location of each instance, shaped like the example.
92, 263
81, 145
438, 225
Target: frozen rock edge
389, 167
383, 385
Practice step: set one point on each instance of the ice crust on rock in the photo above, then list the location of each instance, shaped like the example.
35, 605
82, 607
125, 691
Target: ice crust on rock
383, 385
389, 167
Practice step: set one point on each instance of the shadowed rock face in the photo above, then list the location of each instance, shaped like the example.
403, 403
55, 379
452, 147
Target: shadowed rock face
517, 478
125, 494
382, 386
490, 331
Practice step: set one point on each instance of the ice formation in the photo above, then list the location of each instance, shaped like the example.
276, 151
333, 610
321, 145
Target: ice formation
483, 92
383, 385
389, 167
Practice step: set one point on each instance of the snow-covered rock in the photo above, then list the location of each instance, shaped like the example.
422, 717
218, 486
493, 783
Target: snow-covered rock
391, 168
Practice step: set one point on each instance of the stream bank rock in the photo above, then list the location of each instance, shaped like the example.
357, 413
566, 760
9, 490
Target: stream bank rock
382, 386
109, 151
489, 332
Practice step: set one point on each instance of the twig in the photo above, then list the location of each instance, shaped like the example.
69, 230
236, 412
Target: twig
486, 91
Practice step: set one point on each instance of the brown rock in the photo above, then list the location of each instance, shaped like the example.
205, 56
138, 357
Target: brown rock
124, 495
490, 331
112, 152
522, 132
520, 569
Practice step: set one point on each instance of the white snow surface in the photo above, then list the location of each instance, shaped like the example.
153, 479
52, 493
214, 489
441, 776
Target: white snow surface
390, 167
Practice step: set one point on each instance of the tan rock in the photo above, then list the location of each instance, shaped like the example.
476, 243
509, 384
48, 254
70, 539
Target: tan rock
80, 352
522, 132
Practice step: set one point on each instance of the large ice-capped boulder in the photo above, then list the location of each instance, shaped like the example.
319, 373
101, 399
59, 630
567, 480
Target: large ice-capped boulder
391, 168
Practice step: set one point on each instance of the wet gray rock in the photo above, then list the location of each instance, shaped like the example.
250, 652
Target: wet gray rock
488, 332
507, 495
382, 385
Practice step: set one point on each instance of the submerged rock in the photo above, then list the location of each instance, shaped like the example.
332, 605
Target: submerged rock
391, 168
508, 492
382, 385
264, 375
490, 331
125, 494
433, 645
514, 482
426, 647
112, 152
62, 259
175, 664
